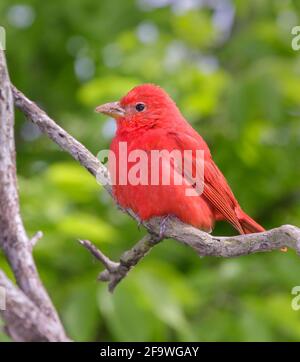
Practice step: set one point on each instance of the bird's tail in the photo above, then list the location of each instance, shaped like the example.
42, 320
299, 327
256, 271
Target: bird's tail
248, 225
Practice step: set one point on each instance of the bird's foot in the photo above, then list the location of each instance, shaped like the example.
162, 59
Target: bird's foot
163, 226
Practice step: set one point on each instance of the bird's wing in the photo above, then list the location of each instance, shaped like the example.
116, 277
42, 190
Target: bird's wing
216, 189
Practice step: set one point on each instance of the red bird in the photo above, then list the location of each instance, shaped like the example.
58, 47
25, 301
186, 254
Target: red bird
148, 119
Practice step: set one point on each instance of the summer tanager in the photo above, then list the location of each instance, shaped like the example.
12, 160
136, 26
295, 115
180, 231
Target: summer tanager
148, 119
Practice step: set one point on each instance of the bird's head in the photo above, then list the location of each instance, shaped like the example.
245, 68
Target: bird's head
146, 105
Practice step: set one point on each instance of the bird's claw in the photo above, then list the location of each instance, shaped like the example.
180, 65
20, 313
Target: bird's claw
162, 227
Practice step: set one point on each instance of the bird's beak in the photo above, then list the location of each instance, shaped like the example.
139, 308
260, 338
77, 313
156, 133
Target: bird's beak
113, 109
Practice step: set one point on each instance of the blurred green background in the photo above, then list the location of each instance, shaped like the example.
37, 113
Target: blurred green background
231, 68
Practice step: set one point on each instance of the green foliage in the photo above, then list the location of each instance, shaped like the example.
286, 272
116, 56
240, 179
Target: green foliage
239, 87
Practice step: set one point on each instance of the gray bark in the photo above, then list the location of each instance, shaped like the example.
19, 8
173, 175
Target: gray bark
14, 241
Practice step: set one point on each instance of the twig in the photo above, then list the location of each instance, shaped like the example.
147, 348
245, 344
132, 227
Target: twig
110, 265
229, 246
61, 137
36, 237
203, 243
115, 272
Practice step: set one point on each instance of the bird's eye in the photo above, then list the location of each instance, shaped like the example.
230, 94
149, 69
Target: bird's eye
140, 107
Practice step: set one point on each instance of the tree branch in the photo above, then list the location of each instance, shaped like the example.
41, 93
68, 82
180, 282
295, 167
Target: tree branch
115, 272
24, 320
230, 246
63, 139
201, 242
13, 238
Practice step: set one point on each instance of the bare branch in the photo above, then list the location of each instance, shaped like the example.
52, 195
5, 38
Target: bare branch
61, 137
228, 246
36, 237
115, 272
110, 265
13, 238
201, 242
